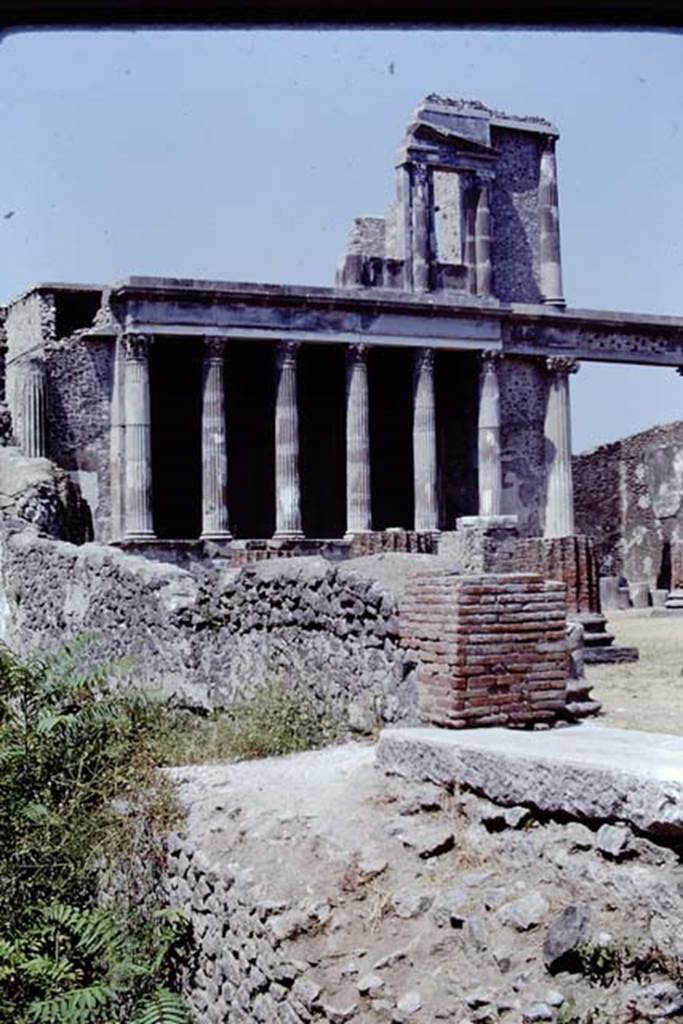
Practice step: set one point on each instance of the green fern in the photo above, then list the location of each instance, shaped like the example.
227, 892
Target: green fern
162, 1007
79, 1006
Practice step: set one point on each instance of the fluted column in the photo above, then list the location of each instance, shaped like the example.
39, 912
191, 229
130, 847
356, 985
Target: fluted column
559, 502
358, 496
421, 228
33, 433
482, 240
117, 445
490, 465
138, 475
424, 442
549, 212
287, 489
215, 522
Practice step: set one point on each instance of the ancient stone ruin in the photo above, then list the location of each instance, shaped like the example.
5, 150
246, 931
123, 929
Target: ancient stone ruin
172, 432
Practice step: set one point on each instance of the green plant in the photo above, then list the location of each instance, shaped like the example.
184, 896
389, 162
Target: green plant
280, 718
70, 748
603, 963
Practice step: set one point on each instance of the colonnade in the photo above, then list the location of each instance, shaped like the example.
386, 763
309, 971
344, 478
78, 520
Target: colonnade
131, 443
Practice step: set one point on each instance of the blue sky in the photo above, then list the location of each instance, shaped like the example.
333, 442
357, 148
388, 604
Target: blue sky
244, 155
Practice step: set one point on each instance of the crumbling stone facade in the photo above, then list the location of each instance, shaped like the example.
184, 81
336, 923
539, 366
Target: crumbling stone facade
629, 498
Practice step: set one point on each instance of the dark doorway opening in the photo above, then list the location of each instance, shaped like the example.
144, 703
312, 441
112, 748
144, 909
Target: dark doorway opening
390, 376
664, 574
250, 405
456, 389
322, 439
175, 385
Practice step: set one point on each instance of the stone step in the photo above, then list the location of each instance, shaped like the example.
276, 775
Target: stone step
587, 772
614, 655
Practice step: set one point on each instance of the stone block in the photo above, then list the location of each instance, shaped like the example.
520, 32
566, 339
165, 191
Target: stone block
639, 593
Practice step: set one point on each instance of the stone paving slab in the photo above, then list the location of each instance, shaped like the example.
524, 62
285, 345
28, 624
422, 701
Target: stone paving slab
586, 772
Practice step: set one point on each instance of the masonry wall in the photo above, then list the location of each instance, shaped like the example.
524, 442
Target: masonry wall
214, 637
523, 391
628, 496
515, 215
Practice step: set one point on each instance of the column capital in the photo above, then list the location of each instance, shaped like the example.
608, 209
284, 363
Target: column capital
286, 353
424, 359
548, 144
214, 346
491, 358
136, 346
357, 353
562, 365
679, 371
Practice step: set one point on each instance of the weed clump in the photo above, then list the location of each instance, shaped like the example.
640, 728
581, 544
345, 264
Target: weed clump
69, 750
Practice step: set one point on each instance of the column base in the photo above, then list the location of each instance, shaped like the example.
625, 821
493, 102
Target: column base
550, 301
287, 535
220, 536
139, 535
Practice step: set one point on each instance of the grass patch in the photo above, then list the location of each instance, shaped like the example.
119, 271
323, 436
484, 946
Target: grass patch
646, 694
279, 719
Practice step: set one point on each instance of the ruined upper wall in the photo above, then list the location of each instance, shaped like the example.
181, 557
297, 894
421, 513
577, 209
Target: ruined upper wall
628, 496
476, 209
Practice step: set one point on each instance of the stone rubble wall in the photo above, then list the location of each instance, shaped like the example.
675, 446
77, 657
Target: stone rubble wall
490, 650
214, 636
240, 973
628, 497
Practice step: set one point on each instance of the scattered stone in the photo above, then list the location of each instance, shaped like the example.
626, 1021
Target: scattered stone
475, 931
480, 997
577, 837
411, 902
390, 959
525, 912
287, 925
371, 867
517, 817
553, 997
565, 933
370, 984
410, 1002
448, 908
338, 1014
539, 1011
429, 840
661, 999
307, 991
613, 840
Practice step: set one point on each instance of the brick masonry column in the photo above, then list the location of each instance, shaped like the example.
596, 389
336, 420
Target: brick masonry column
482, 242
559, 499
549, 213
215, 520
287, 488
490, 649
138, 500
424, 442
490, 466
34, 425
358, 495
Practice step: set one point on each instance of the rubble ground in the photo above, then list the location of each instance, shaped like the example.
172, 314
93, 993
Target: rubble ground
400, 901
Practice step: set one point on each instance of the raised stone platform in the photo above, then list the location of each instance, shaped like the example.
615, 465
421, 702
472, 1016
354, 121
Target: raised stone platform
586, 772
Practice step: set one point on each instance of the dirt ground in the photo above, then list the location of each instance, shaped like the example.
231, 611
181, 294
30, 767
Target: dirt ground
647, 694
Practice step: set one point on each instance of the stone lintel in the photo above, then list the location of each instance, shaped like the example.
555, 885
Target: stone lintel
587, 772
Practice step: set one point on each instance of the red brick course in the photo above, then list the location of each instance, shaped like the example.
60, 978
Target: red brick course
490, 649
